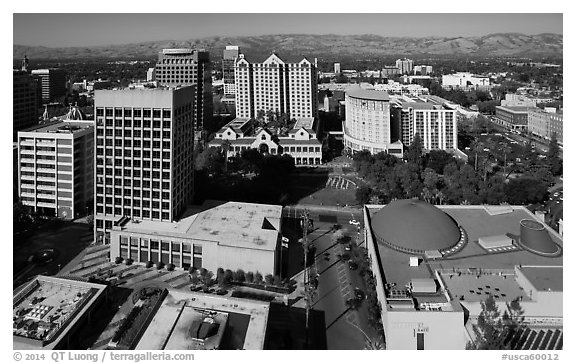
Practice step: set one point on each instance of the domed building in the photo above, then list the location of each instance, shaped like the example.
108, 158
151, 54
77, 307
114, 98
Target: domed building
415, 227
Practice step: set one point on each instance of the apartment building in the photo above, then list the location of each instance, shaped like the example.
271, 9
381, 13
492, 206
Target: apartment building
436, 124
144, 145
405, 66
52, 83
25, 101
280, 85
184, 67
56, 168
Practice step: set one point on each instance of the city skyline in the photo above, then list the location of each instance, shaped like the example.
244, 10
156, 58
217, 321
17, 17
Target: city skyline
85, 29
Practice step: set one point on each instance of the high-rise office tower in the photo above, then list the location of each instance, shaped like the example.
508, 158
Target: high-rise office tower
274, 84
337, 68
144, 161
229, 57
182, 67
52, 83
25, 101
56, 168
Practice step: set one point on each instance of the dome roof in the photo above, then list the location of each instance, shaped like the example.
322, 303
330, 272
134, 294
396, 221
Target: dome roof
415, 226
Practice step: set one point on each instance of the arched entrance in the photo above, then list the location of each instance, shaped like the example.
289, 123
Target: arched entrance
263, 148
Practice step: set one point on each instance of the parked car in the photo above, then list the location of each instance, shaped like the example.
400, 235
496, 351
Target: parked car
354, 222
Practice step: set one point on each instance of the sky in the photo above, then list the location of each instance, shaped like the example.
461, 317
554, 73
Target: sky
92, 29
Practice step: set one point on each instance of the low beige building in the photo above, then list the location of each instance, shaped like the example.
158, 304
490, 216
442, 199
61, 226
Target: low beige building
230, 235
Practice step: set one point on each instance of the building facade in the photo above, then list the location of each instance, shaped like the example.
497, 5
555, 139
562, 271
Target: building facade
301, 143
512, 99
228, 59
230, 235
512, 117
276, 85
144, 147
405, 66
465, 80
336, 68
368, 125
436, 125
184, 67
52, 83
56, 168
545, 124
25, 101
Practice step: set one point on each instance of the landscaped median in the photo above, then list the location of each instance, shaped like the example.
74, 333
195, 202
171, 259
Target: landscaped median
134, 325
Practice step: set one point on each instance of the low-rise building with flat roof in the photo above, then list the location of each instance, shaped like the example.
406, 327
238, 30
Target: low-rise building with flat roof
197, 321
48, 310
424, 304
230, 235
512, 117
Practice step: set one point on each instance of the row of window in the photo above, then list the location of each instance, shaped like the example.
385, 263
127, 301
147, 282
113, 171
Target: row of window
136, 112
136, 213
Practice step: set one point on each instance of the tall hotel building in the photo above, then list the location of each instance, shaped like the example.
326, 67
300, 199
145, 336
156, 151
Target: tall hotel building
183, 67
228, 59
52, 83
56, 168
144, 145
25, 101
368, 124
435, 124
277, 85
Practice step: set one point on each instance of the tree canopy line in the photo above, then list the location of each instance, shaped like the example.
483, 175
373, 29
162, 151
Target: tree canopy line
494, 330
249, 177
439, 178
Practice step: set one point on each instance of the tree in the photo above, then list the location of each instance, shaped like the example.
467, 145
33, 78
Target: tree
437, 160
525, 190
240, 275
492, 329
249, 277
211, 160
489, 327
258, 278
363, 194
414, 154
553, 156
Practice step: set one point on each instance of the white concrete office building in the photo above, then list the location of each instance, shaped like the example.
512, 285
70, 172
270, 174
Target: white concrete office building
144, 146
56, 168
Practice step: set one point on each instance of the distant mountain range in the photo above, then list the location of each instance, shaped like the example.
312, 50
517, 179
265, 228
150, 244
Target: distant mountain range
323, 46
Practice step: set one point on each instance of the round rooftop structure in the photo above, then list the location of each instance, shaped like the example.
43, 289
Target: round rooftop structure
535, 238
414, 226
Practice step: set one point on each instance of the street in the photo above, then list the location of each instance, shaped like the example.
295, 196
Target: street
336, 282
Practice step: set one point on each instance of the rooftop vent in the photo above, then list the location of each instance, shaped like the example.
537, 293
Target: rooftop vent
535, 238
